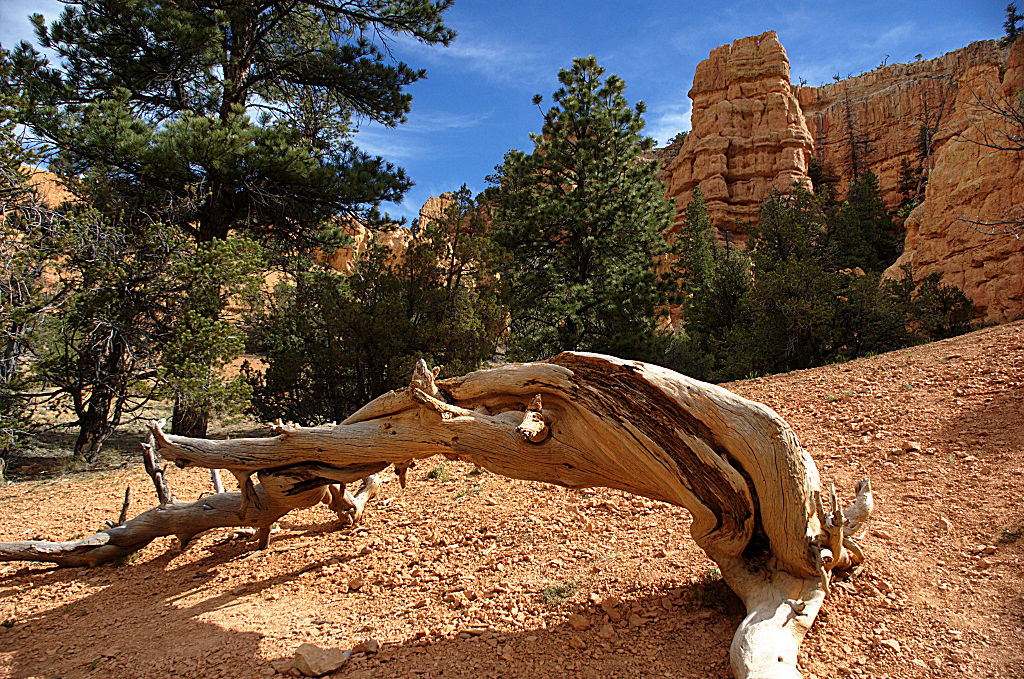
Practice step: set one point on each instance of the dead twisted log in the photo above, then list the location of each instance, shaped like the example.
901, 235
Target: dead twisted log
582, 420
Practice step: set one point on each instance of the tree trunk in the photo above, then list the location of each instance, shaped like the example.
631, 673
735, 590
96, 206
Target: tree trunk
96, 421
94, 426
189, 421
581, 420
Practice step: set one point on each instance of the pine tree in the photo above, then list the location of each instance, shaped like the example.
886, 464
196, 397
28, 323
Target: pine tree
907, 181
1013, 17
582, 219
713, 281
233, 115
333, 341
694, 246
230, 114
862, 234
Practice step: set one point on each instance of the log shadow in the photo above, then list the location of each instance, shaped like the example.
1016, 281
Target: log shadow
128, 627
141, 621
691, 640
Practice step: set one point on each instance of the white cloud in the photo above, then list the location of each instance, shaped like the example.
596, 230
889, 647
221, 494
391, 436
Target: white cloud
437, 121
389, 143
495, 61
665, 122
417, 138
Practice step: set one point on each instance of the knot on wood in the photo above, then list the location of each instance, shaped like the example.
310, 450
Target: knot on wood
534, 428
279, 428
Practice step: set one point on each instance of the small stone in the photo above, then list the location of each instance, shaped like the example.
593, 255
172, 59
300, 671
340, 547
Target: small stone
935, 663
282, 665
945, 524
578, 622
313, 661
635, 620
878, 533
370, 645
911, 447
606, 632
576, 642
355, 583
920, 664
871, 590
891, 644
611, 607
984, 563
989, 549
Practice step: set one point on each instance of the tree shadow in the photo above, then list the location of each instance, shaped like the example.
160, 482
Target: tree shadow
993, 427
652, 638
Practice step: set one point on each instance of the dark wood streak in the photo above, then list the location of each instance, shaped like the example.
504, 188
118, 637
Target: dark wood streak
623, 390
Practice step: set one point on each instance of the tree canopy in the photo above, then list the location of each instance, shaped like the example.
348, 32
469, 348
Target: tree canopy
582, 218
179, 126
228, 114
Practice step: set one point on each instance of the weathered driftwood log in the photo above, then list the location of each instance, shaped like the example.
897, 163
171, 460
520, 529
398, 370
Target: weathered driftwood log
582, 420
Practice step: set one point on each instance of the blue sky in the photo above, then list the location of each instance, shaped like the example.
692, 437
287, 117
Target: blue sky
475, 105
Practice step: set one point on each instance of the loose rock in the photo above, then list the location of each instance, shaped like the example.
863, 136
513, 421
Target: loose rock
313, 661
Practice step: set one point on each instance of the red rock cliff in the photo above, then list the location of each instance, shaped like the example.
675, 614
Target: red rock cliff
754, 133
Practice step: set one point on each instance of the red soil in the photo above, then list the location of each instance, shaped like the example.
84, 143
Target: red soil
450, 576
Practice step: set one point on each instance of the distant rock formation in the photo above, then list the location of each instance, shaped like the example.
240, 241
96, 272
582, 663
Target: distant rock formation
749, 136
397, 239
972, 182
755, 133
50, 191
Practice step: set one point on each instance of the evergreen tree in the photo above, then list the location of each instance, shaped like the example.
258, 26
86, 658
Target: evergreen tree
791, 303
862, 233
582, 219
694, 246
218, 116
1013, 17
161, 95
334, 341
24, 257
907, 182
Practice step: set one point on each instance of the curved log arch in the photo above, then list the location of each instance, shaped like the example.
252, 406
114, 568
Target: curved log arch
581, 420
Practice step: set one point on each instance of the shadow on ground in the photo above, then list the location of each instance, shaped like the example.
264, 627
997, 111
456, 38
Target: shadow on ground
158, 631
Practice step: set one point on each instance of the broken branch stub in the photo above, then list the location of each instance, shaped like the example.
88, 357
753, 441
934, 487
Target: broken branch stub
582, 420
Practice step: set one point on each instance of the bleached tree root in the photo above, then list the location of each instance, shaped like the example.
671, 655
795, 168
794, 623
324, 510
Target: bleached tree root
582, 420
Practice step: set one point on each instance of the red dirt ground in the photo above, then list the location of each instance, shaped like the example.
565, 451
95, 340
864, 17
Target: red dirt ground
453, 572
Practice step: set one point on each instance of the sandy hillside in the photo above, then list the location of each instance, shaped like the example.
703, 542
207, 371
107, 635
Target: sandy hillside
474, 575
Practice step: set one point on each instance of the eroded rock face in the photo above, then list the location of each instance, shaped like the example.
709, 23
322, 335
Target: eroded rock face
749, 135
874, 120
754, 133
970, 181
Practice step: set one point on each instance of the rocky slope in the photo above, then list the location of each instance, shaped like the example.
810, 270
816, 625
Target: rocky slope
470, 575
754, 132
